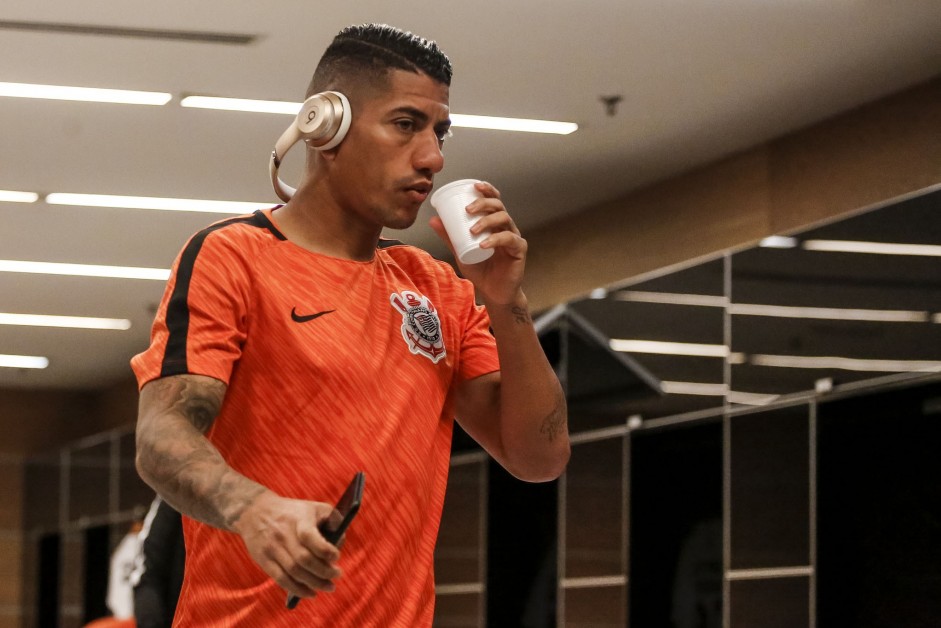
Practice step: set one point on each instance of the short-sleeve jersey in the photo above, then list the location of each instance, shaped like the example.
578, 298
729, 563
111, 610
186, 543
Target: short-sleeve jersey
333, 366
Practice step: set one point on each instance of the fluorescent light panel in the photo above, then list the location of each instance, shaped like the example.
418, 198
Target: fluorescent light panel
512, 124
23, 361
151, 202
879, 248
241, 104
83, 270
85, 94
694, 388
750, 399
717, 390
829, 313
12, 196
669, 348
778, 242
845, 364
457, 119
672, 298
778, 311
72, 322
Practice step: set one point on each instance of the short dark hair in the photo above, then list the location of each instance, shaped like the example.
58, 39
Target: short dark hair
370, 51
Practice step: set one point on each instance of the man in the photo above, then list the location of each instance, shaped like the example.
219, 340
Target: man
286, 356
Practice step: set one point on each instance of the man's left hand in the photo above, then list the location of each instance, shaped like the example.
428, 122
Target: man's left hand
498, 279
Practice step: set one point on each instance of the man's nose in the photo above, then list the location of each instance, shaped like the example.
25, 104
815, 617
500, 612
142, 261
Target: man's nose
428, 155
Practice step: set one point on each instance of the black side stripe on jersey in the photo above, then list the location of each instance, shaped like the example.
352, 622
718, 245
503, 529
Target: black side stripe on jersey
178, 312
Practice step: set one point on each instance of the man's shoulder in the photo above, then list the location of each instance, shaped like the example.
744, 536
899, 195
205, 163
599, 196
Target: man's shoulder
246, 228
239, 234
414, 259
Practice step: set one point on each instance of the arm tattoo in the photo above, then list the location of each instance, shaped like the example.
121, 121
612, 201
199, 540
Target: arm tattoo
199, 402
179, 461
521, 314
556, 423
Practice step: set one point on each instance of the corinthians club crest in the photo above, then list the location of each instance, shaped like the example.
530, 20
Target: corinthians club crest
421, 327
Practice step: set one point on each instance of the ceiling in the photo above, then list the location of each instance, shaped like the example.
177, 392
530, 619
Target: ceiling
699, 80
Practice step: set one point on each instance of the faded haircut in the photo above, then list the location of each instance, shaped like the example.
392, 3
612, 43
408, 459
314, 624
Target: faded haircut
367, 53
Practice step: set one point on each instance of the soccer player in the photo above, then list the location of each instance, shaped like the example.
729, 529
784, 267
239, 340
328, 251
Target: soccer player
295, 346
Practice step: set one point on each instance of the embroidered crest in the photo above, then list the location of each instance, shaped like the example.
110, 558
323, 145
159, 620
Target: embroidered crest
421, 327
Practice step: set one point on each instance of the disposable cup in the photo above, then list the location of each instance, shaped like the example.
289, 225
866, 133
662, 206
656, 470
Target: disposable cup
451, 203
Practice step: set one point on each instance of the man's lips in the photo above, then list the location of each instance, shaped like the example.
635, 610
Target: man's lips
419, 191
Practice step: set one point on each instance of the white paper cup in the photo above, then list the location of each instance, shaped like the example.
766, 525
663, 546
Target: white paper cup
451, 202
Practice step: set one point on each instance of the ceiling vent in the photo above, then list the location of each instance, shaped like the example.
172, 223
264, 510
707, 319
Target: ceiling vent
201, 37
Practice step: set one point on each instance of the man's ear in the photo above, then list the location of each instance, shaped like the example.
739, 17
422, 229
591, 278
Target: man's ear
327, 155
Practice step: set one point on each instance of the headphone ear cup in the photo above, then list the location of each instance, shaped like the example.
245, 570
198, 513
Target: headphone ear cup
324, 120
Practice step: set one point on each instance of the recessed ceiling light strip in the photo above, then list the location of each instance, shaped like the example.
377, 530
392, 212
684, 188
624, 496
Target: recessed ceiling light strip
878, 248
716, 390
12, 196
778, 242
694, 388
778, 311
669, 348
671, 298
151, 202
71, 322
845, 364
83, 270
750, 399
84, 94
512, 124
829, 313
23, 361
241, 104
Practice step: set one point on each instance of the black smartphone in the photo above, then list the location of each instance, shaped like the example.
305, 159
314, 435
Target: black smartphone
348, 506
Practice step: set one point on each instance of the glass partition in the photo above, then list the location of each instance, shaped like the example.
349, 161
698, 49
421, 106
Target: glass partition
845, 302
671, 332
842, 303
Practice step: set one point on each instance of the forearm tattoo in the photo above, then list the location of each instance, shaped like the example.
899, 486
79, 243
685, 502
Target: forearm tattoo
521, 314
556, 423
180, 462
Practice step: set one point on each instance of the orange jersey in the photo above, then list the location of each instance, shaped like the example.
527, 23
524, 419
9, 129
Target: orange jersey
333, 366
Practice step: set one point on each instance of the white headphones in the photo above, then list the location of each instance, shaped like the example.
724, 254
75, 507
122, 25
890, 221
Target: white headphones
322, 122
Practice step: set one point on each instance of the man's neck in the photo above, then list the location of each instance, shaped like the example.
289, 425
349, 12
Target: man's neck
317, 222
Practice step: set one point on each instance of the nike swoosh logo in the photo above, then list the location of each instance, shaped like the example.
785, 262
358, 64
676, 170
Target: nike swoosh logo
297, 318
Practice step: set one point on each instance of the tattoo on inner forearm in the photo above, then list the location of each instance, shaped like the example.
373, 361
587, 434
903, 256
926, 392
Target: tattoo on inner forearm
555, 424
521, 314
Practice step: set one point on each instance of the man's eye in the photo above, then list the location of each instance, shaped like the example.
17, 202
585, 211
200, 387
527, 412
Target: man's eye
405, 124
443, 135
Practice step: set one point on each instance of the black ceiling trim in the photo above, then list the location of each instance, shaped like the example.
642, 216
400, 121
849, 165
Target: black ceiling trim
238, 39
